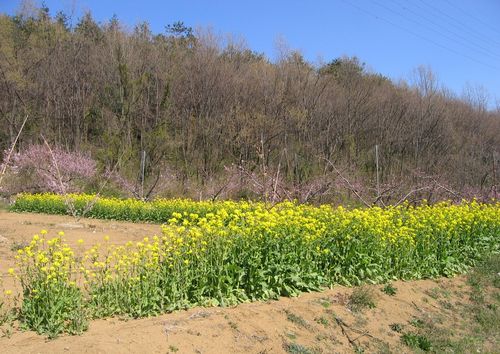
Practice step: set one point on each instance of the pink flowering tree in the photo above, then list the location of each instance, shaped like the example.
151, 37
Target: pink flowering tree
40, 168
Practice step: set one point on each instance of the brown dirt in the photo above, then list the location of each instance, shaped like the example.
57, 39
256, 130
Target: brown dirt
260, 327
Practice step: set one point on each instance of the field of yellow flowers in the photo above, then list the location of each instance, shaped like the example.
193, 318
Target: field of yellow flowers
223, 253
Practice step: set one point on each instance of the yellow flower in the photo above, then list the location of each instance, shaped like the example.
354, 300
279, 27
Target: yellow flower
80, 242
8, 292
43, 232
61, 233
106, 238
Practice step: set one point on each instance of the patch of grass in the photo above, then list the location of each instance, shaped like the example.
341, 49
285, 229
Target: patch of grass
483, 279
438, 292
362, 298
415, 341
487, 273
389, 289
296, 319
325, 302
294, 348
322, 320
321, 337
488, 318
479, 323
446, 305
417, 322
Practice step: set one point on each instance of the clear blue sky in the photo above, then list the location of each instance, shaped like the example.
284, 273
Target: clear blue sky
458, 39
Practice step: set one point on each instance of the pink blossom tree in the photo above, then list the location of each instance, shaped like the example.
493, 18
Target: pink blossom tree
43, 169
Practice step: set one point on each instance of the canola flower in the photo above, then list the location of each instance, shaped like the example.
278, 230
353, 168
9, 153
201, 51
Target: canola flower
222, 253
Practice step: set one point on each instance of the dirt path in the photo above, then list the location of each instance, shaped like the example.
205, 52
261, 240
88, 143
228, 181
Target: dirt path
312, 323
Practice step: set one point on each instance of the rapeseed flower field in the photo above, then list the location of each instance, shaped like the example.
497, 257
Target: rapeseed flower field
224, 253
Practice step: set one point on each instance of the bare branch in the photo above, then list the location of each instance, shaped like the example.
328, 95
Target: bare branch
351, 187
7, 160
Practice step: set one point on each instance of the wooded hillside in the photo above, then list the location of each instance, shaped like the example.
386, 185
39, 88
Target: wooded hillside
216, 120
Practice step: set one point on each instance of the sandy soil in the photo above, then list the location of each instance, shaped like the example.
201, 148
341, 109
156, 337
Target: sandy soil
260, 327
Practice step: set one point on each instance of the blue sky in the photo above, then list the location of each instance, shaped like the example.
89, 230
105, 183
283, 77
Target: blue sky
458, 39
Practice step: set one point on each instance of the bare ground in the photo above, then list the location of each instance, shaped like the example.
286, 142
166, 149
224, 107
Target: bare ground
311, 323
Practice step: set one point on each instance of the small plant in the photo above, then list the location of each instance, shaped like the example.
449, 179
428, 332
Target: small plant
173, 348
389, 289
325, 303
290, 316
358, 349
362, 298
294, 348
6, 314
417, 323
322, 320
397, 327
414, 340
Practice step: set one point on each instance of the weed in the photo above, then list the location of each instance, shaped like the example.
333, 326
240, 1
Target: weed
413, 340
397, 327
322, 320
173, 348
294, 348
417, 322
325, 302
361, 298
389, 289
359, 349
296, 319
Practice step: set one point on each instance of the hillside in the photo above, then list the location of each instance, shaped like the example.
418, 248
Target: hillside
193, 113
